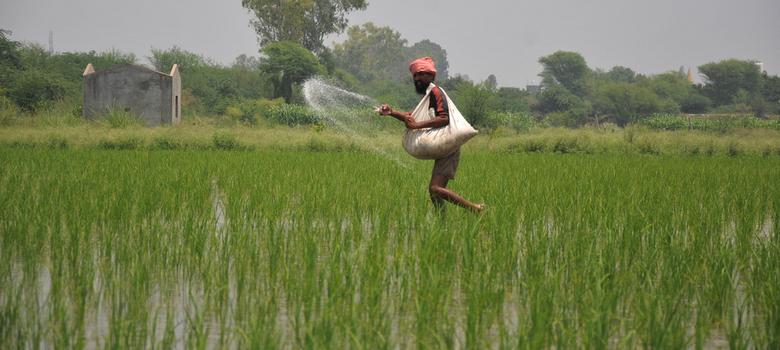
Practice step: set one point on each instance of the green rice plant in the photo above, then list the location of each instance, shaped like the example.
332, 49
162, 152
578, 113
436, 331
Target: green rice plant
166, 143
123, 143
225, 141
295, 249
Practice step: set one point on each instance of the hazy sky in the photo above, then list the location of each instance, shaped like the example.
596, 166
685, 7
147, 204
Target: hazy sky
505, 38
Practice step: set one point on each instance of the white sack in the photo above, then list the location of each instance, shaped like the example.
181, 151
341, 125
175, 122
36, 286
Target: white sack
435, 143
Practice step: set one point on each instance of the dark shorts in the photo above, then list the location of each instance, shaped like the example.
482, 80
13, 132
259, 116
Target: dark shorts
447, 166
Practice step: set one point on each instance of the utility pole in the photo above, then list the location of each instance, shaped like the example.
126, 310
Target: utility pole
51, 42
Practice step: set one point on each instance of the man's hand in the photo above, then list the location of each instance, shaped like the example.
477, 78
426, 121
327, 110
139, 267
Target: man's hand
406, 118
385, 109
410, 123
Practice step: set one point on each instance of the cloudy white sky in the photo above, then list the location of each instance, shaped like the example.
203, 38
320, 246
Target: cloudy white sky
483, 37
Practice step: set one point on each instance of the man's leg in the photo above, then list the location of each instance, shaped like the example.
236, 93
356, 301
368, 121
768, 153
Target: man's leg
439, 193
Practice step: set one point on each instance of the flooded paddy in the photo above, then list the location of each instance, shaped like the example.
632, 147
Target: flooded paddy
210, 249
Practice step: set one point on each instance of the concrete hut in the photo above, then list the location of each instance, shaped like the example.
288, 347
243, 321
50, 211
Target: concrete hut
153, 96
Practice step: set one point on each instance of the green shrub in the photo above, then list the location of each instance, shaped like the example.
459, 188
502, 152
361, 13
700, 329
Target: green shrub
225, 140
31, 89
250, 112
165, 143
124, 143
59, 114
534, 146
517, 121
648, 147
565, 145
292, 115
566, 119
56, 142
719, 123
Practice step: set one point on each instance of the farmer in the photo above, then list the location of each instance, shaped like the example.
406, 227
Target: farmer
423, 72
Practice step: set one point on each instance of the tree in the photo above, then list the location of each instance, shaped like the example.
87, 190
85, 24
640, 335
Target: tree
621, 74
567, 69
491, 83
243, 61
676, 93
556, 98
623, 102
771, 92
305, 22
33, 88
10, 60
163, 60
9, 51
512, 99
373, 53
475, 101
429, 48
288, 63
724, 80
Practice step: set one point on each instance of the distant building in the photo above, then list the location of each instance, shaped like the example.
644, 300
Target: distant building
760, 66
533, 88
153, 96
690, 76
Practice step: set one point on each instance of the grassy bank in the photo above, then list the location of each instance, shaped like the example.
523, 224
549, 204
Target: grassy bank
220, 134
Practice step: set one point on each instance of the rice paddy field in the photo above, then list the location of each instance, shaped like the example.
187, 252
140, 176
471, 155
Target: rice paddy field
269, 249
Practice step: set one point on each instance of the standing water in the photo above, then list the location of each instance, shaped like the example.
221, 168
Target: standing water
348, 112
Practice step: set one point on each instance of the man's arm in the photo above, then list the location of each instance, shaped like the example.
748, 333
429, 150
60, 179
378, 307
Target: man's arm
436, 122
407, 119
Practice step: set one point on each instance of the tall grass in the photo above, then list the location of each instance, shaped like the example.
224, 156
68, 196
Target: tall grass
271, 249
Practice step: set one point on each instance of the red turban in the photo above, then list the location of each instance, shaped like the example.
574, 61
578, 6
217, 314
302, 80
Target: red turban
424, 64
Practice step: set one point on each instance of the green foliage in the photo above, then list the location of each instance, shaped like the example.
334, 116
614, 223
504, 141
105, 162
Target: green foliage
580, 251
304, 22
475, 102
166, 143
251, 112
163, 60
288, 63
373, 53
718, 123
9, 51
119, 118
556, 98
620, 74
726, 79
209, 88
123, 143
513, 100
69, 66
562, 119
623, 102
400, 95
695, 103
519, 122
567, 69
32, 88
293, 115
225, 140
9, 112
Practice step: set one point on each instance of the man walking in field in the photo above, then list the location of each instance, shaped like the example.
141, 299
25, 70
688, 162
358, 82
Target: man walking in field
424, 72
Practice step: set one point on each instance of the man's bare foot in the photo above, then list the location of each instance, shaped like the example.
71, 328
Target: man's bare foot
480, 208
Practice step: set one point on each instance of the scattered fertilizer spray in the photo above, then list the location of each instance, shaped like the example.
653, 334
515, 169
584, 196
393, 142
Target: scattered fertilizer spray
342, 109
